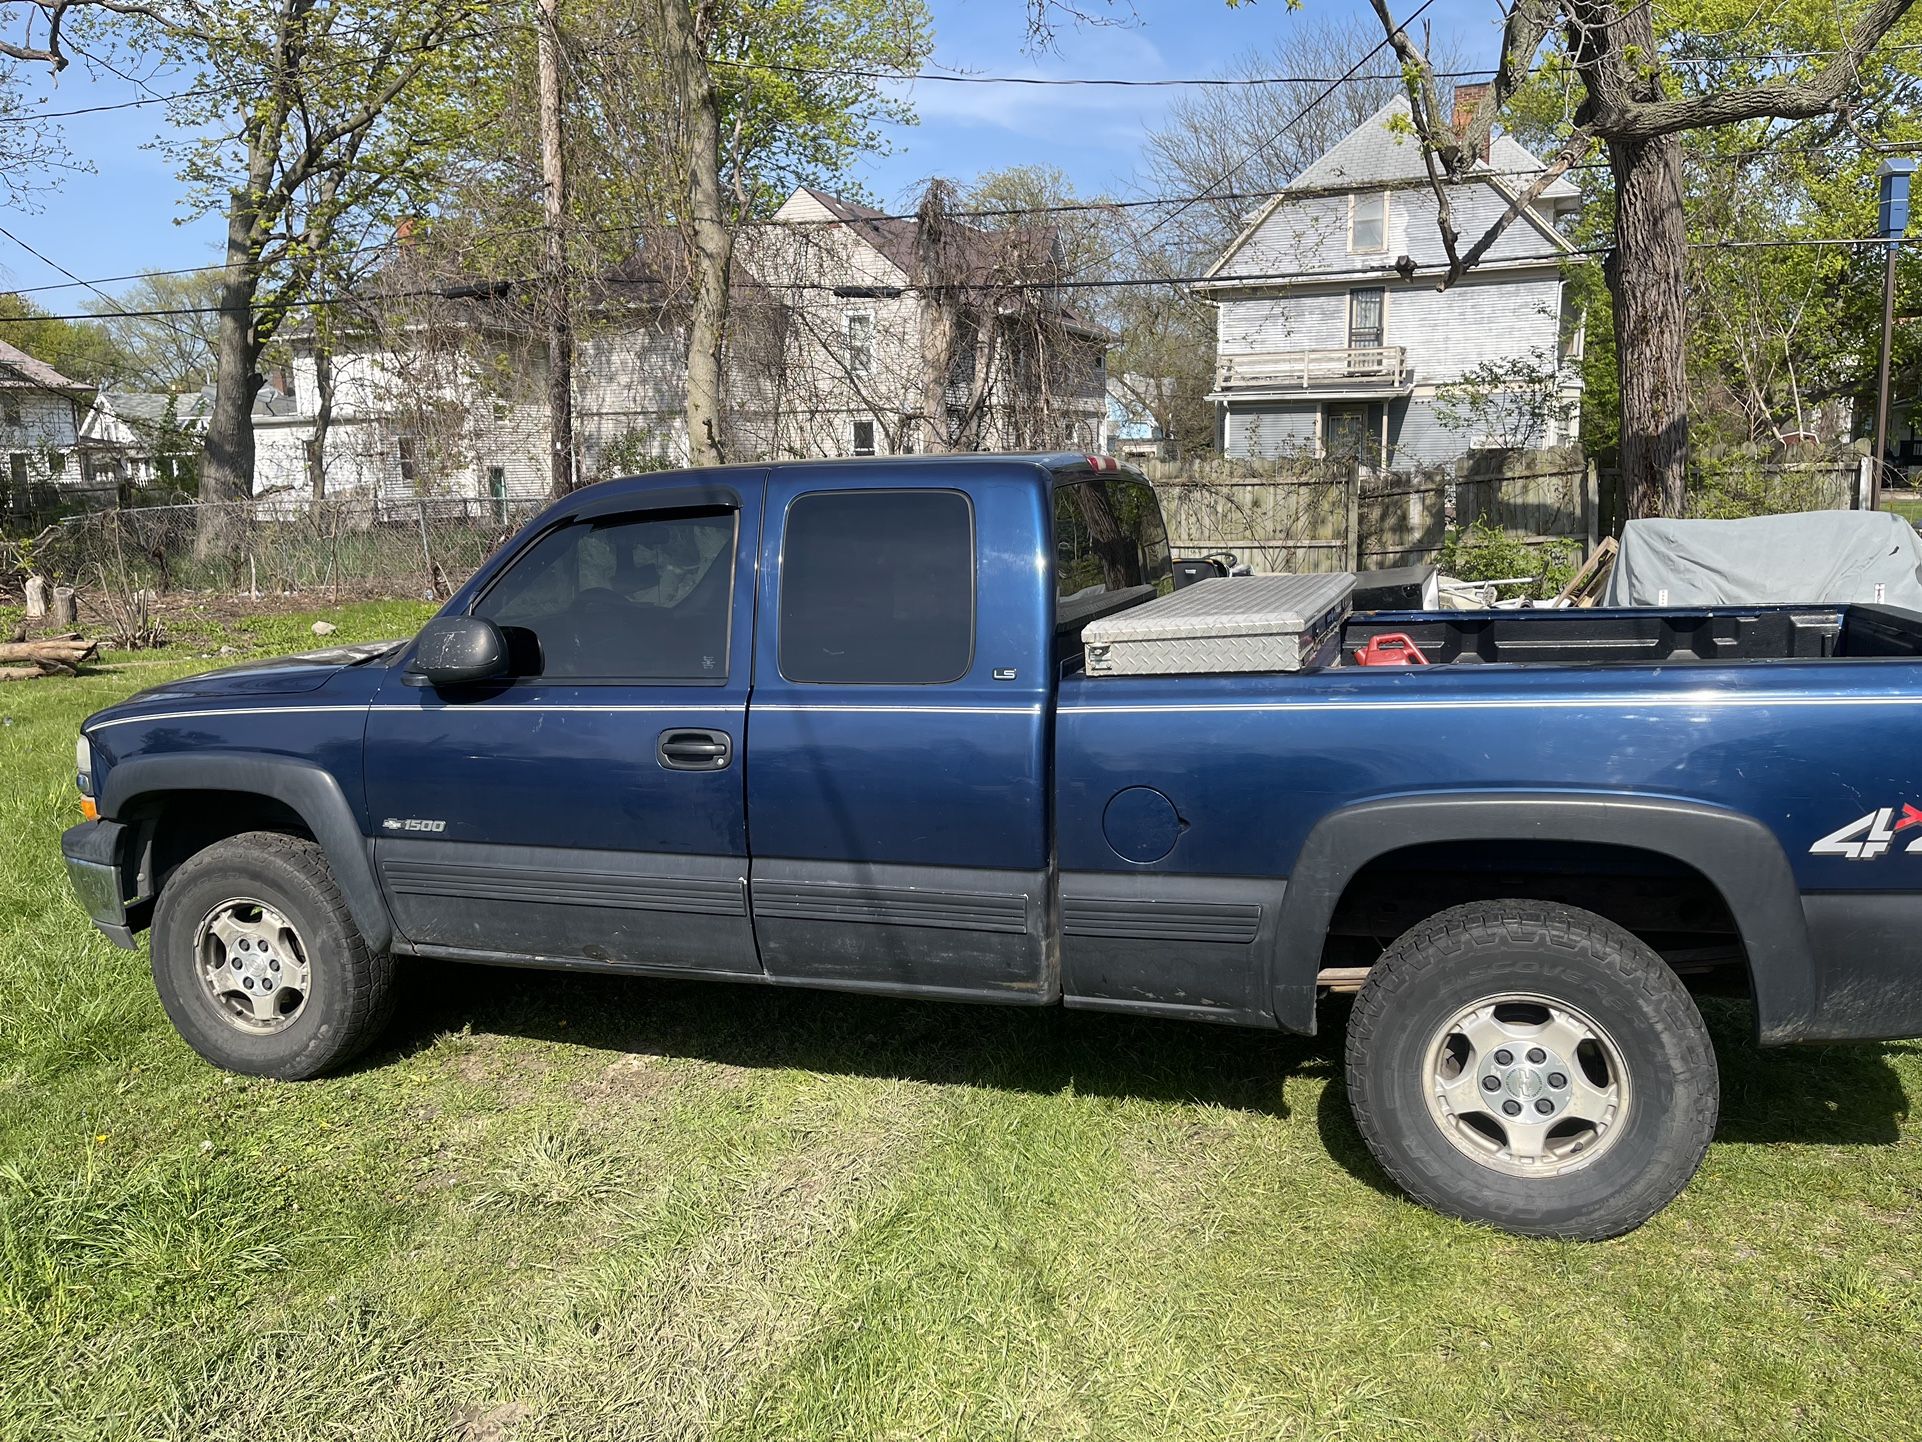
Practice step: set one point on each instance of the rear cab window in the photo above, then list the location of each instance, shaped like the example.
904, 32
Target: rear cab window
877, 588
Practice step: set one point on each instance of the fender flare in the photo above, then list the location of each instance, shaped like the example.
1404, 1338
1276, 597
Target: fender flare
1740, 857
310, 791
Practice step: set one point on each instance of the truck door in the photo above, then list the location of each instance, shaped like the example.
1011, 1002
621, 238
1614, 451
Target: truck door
897, 791
590, 809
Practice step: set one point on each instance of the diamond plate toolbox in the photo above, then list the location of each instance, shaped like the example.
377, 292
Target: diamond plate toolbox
1232, 623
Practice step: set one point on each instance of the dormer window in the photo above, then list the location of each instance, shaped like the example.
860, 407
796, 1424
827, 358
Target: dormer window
1368, 222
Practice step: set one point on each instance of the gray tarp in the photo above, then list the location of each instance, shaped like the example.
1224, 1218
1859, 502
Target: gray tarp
1823, 557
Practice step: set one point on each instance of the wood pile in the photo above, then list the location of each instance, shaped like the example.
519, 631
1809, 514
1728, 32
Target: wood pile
23, 660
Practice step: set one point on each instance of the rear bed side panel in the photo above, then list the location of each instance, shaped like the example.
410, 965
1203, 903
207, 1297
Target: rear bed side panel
1251, 766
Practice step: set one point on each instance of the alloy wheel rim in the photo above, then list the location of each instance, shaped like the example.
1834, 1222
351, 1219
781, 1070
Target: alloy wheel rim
1526, 1085
252, 965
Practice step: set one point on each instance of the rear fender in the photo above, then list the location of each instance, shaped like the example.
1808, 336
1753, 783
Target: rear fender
1740, 857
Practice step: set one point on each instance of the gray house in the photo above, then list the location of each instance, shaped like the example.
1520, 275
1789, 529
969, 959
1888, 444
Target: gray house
1333, 340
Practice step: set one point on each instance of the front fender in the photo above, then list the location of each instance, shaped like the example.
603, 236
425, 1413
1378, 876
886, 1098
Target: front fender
310, 791
1740, 857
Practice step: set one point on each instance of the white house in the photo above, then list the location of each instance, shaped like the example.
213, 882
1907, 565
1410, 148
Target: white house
826, 344
1333, 339
1024, 372
40, 417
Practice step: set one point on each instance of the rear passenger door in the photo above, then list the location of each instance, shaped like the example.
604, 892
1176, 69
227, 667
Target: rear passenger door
896, 767
589, 810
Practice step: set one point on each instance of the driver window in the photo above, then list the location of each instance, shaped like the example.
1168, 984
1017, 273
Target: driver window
631, 598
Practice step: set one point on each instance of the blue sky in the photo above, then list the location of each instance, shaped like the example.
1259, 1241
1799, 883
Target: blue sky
126, 215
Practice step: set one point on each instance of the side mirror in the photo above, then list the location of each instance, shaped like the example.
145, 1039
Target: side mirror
458, 651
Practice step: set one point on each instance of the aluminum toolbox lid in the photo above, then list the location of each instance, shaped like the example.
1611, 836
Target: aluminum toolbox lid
1229, 606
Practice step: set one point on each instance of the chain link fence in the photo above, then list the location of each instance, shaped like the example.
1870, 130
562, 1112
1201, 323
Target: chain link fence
351, 547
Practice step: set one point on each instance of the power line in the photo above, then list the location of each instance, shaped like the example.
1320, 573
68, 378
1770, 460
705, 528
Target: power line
495, 288
1078, 207
118, 308
31, 117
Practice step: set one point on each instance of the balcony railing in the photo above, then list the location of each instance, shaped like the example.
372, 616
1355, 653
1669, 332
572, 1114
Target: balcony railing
1376, 367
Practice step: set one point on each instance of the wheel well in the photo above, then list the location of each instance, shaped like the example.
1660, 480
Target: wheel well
175, 825
1672, 907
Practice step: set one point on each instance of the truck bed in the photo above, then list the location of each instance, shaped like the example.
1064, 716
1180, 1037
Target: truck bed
1643, 636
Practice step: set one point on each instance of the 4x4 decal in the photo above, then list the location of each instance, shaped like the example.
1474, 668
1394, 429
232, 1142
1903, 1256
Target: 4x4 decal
1868, 837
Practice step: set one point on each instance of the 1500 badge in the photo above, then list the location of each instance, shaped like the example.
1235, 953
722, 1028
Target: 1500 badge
412, 823
1868, 837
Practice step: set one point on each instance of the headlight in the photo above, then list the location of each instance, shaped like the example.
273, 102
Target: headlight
83, 765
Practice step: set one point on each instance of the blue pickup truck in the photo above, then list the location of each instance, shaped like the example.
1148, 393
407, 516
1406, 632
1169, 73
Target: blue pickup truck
827, 724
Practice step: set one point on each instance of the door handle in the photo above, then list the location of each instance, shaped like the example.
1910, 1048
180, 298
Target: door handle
690, 750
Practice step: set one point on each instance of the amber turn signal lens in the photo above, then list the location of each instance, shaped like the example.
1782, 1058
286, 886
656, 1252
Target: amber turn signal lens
89, 808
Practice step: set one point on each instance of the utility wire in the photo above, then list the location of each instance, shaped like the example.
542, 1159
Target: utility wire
480, 290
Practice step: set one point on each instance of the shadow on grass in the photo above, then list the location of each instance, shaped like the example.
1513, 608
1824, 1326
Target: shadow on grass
1837, 1095
1044, 1050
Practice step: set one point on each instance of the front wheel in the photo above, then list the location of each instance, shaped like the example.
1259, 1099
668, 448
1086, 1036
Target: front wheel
260, 966
1534, 1067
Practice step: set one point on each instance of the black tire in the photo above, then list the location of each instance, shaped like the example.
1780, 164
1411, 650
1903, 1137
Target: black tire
350, 992
1450, 962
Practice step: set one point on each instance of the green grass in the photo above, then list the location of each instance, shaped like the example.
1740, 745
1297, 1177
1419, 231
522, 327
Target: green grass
582, 1207
1909, 508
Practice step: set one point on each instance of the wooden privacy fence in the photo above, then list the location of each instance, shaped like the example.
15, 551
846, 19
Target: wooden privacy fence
1310, 515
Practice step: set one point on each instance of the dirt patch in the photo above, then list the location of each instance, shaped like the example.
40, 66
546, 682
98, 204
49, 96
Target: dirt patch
489, 1422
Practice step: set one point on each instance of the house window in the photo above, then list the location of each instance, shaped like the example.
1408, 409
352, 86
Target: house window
1364, 318
1368, 222
961, 359
860, 342
864, 438
10, 408
408, 450
497, 490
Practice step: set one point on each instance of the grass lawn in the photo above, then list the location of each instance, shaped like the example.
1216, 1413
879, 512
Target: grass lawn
581, 1207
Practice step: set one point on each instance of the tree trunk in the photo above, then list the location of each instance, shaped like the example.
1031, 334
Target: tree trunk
316, 444
713, 243
1648, 281
560, 321
940, 332
227, 451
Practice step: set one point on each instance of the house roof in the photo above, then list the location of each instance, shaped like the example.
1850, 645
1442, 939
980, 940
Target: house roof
893, 237
1384, 151
20, 371
896, 239
150, 407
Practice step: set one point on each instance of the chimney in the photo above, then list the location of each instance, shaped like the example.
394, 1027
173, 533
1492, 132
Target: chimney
1468, 98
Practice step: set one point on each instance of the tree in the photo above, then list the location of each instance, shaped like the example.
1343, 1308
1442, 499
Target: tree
174, 351
751, 98
79, 351
1626, 97
1234, 145
291, 92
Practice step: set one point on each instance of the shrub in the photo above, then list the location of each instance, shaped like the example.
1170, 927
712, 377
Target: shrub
1483, 552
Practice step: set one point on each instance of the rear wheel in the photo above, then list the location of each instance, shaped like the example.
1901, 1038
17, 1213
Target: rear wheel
1534, 1067
258, 963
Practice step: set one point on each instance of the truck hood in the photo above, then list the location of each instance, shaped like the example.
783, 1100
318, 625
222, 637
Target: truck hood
280, 676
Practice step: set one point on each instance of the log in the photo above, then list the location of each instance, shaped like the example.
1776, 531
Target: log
36, 597
20, 660
66, 611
